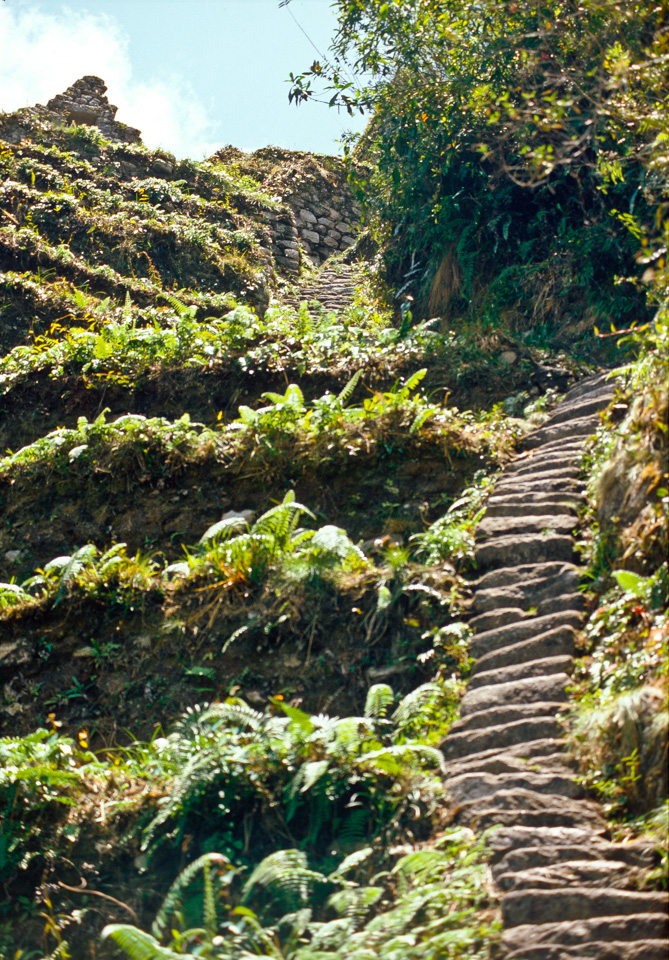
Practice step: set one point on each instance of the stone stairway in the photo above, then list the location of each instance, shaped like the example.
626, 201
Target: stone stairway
332, 289
566, 891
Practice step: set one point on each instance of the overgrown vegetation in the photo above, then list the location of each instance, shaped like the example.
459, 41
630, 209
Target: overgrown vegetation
235, 534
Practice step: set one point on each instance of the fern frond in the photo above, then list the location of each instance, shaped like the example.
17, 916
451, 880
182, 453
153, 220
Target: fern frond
379, 698
417, 704
415, 379
350, 387
284, 875
175, 894
138, 945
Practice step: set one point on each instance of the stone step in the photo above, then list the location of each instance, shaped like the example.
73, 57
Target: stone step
552, 604
521, 671
527, 484
555, 643
522, 907
596, 383
595, 950
530, 572
550, 687
617, 929
516, 838
571, 429
532, 499
587, 873
551, 854
524, 808
549, 508
499, 617
459, 745
540, 755
512, 550
568, 454
583, 406
468, 787
542, 470
508, 713
529, 592
504, 526
509, 634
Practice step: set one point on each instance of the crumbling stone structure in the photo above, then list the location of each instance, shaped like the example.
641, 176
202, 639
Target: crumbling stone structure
85, 103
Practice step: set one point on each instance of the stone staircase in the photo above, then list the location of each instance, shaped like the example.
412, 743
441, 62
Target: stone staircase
566, 891
333, 289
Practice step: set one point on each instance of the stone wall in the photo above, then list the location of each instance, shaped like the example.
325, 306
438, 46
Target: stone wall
322, 216
85, 103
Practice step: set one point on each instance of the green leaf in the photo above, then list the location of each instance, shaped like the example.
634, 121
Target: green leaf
631, 582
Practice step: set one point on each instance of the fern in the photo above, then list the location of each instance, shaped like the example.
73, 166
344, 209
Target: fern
417, 705
380, 698
347, 392
138, 945
284, 876
175, 894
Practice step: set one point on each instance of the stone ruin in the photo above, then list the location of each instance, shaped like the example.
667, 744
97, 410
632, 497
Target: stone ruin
85, 103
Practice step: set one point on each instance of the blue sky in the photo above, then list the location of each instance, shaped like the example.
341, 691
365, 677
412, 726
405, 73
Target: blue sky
193, 75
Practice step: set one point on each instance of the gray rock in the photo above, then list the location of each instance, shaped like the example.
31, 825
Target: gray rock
585, 872
507, 713
554, 643
530, 593
512, 550
583, 427
507, 839
498, 617
595, 950
307, 216
512, 633
525, 572
547, 753
526, 859
468, 787
311, 236
504, 526
520, 807
581, 407
522, 671
498, 737
546, 688
577, 903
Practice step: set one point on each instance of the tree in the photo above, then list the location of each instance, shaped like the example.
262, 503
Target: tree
506, 136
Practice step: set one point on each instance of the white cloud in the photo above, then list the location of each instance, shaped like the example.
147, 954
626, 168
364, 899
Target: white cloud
41, 54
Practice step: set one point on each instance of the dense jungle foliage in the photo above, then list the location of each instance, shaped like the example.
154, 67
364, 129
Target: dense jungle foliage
236, 534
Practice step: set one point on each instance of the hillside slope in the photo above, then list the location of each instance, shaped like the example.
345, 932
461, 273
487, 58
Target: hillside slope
238, 503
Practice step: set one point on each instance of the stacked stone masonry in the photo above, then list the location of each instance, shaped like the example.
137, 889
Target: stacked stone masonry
567, 891
85, 103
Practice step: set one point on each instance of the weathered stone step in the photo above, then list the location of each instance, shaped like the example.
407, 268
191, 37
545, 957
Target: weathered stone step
549, 687
512, 550
504, 526
587, 873
576, 903
515, 839
532, 499
469, 787
526, 593
498, 617
540, 756
528, 858
539, 472
596, 383
503, 616
499, 736
546, 484
549, 508
522, 671
529, 627
508, 713
583, 406
554, 643
594, 950
566, 453
583, 427
514, 808
525, 572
